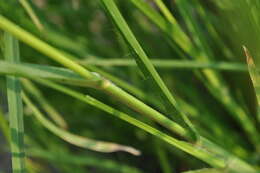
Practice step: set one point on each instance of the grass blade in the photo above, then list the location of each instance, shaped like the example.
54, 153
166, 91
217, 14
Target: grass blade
11, 49
148, 69
26, 5
169, 64
101, 83
43, 47
172, 31
255, 77
46, 72
79, 141
214, 82
204, 149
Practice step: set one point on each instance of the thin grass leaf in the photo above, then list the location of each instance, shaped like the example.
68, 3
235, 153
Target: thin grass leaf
26, 5
47, 107
46, 72
255, 77
82, 160
173, 31
214, 82
44, 48
148, 69
139, 91
62, 75
12, 54
106, 147
203, 149
169, 64
101, 83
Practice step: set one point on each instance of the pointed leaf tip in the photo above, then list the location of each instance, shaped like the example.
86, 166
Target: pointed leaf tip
249, 58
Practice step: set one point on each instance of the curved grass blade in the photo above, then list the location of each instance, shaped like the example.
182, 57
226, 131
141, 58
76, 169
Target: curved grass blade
101, 83
148, 69
214, 82
203, 149
76, 140
62, 75
44, 48
49, 109
12, 54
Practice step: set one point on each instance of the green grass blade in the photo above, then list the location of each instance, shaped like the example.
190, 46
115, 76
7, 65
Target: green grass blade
255, 77
214, 82
11, 49
128, 87
203, 149
43, 47
26, 5
169, 64
46, 72
62, 75
172, 30
76, 140
101, 83
148, 69
47, 107
105, 85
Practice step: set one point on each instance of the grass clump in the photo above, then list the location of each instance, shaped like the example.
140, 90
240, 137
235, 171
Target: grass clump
191, 104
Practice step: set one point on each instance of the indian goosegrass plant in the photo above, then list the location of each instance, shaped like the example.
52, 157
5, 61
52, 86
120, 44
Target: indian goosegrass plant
190, 108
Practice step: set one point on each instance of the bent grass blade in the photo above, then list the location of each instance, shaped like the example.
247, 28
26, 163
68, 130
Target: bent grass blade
204, 149
76, 140
101, 83
148, 69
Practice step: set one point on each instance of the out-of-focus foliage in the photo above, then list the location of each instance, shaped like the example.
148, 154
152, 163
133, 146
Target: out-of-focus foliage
221, 105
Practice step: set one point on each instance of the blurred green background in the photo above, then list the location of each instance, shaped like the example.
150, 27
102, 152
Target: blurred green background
82, 28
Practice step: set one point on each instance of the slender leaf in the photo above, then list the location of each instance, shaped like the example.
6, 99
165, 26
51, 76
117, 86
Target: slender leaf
148, 69
79, 141
255, 77
100, 83
203, 149
11, 49
26, 5
75, 139
45, 72
170, 64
